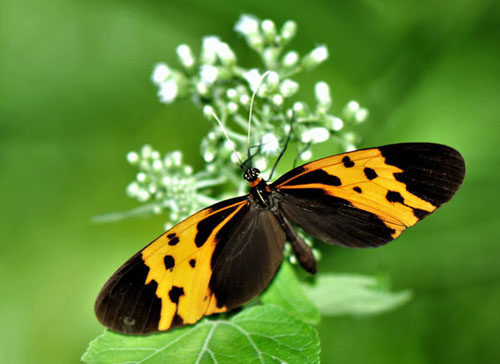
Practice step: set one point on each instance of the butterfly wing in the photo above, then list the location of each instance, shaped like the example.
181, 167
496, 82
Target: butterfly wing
368, 197
213, 261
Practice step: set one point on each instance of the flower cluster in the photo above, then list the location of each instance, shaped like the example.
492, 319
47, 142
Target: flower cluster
223, 88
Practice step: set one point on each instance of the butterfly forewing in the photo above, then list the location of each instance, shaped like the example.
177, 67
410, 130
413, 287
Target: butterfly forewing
167, 283
368, 197
215, 260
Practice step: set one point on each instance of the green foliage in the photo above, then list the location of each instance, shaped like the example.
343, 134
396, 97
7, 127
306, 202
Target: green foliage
265, 334
350, 294
286, 291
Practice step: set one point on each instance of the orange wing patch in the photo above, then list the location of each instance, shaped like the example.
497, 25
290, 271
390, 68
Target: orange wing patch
180, 262
365, 179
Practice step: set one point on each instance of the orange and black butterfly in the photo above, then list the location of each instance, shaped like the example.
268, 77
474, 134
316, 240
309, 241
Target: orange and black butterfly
226, 254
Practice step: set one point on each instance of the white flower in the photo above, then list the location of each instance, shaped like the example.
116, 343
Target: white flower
247, 25
361, 115
306, 155
231, 93
143, 195
298, 107
260, 163
289, 29
225, 53
322, 93
160, 73
146, 151
209, 49
290, 59
337, 123
208, 74
245, 100
350, 147
141, 177
168, 91
353, 106
185, 55
277, 100
176, 158
315, 135
270, 144
132, 189
229, 145
319, 54
232, 107
202, 88
235, 158
157, 165
132, 157
272, 79
269, 29
288, 87
268, 26
208, 111
253, 78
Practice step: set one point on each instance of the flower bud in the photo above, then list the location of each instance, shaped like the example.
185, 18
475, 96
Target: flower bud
185, 56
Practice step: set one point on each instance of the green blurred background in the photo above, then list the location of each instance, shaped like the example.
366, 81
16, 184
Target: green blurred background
75, 96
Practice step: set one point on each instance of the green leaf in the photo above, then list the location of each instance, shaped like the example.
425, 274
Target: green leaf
286, 291
261, 334
345, 294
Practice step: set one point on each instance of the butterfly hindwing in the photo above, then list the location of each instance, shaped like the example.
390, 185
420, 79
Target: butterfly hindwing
213, 261
368, 197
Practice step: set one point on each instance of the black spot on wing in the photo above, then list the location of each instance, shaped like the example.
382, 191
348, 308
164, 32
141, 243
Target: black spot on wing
174, 240
357, 189
171, 235
208, 224
370, 173
433, 172
175, 293
192, 263
126, 304
393, 196
169, 262
348, 163
317, 176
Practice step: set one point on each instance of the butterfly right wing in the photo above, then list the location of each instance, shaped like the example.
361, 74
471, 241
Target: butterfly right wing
213, 261
368, 197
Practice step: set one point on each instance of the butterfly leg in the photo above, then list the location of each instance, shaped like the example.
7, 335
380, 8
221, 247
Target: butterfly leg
301, 249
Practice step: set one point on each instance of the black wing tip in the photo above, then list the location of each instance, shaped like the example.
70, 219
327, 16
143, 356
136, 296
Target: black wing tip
126, 304
431, 171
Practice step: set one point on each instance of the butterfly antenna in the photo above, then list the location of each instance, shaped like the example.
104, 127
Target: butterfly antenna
251, 112
242, 165
284, 147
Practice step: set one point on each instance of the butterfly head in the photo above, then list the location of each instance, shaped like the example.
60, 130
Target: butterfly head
251, 174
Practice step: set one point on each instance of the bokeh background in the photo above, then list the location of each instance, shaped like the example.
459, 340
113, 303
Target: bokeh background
76, 96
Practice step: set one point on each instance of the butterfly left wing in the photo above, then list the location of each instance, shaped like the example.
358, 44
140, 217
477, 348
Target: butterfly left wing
213, 261
368, 197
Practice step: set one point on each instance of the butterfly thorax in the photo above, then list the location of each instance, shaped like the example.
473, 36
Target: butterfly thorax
260, 191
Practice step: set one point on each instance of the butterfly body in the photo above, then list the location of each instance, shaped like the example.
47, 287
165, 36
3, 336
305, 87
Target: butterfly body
226, 254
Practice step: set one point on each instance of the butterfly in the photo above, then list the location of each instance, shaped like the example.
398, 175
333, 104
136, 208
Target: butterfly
226, 254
